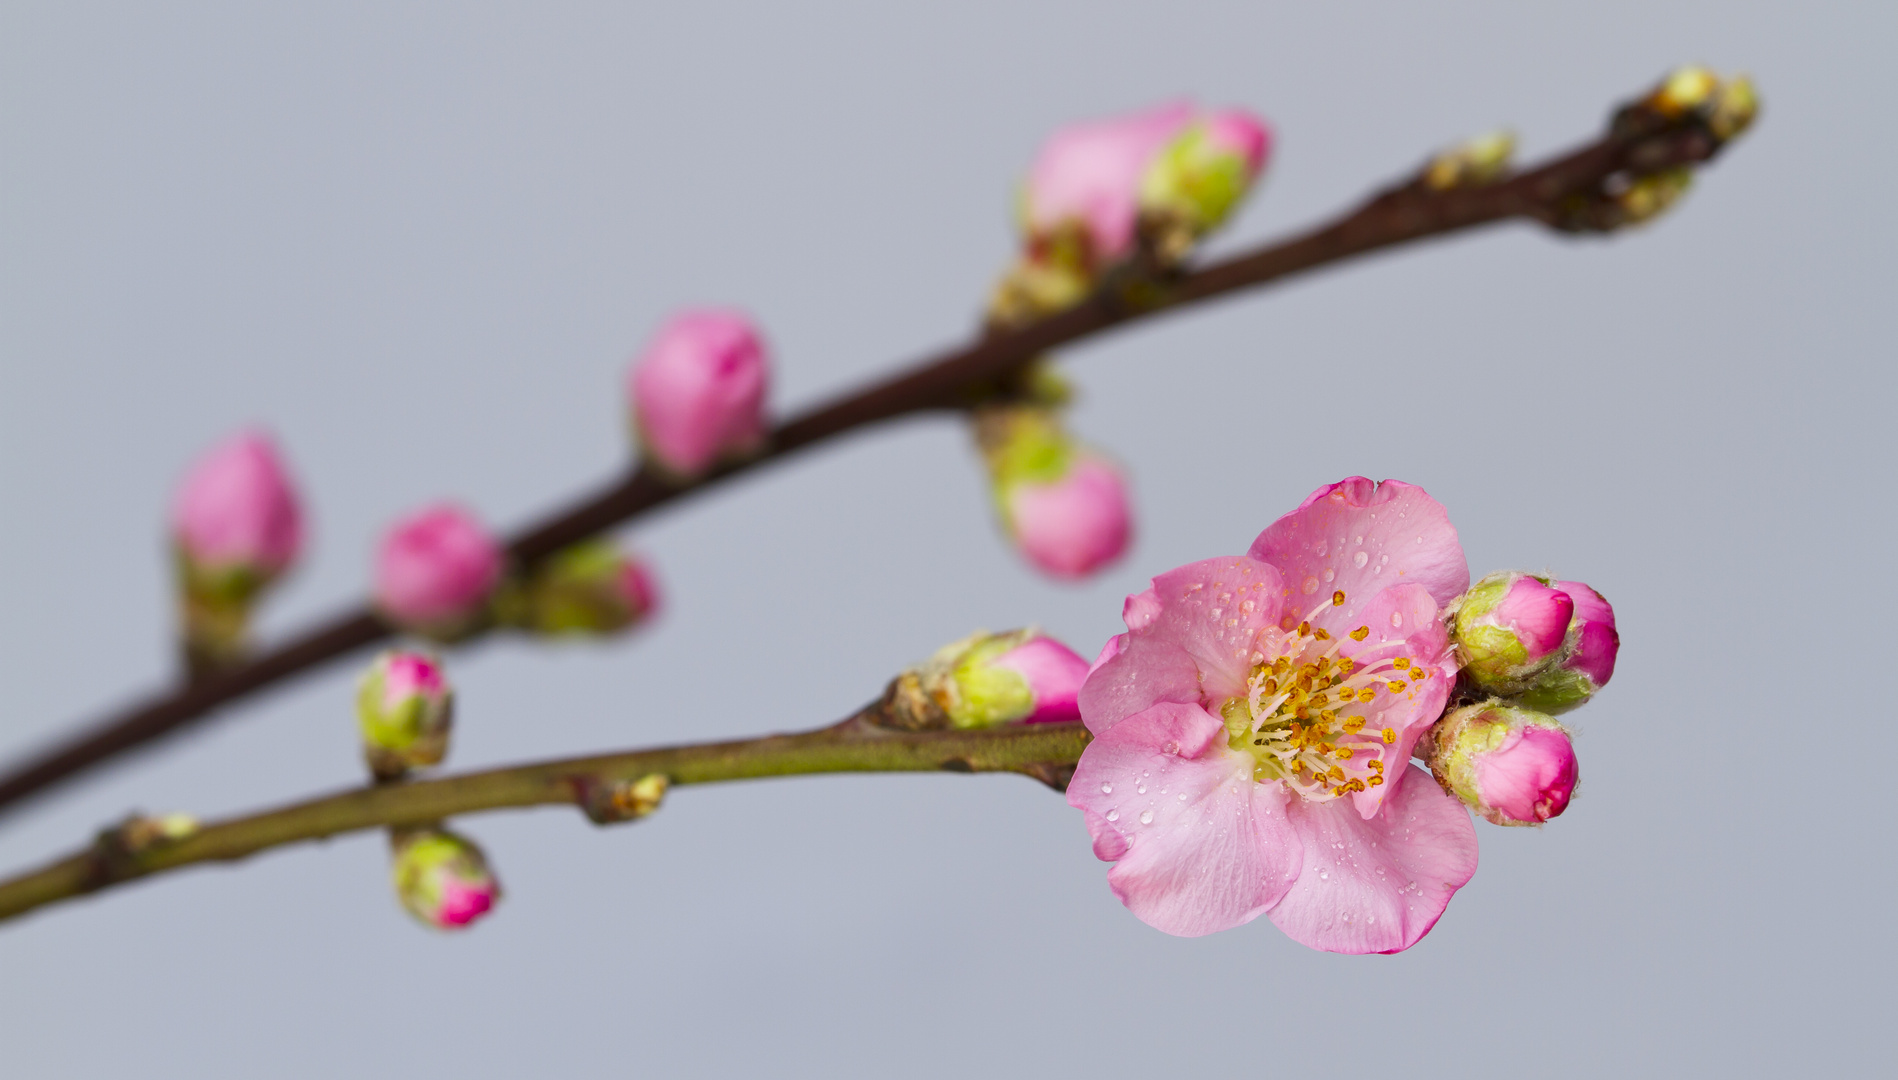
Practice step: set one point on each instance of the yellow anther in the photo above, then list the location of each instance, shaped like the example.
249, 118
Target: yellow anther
1353, 724
1344, 753
1369, 693
1401, 663
1337, 598
1360, 633
1390, 736
1346, 664
1282, 665
1376, 764
1304, 629
1375, 781
1398, 686
1336, 774
1321, 634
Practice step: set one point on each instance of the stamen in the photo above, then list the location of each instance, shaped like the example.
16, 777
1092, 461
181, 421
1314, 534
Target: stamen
1337, 598
1360, 633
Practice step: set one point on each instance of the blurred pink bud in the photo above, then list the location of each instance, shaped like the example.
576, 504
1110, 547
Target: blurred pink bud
442, 878
639, 589
404, 708
1054, 674
1089, 174
1074, 525
1513, 766
435, 570
237, 510
1509, 628
1240, 133
698, 391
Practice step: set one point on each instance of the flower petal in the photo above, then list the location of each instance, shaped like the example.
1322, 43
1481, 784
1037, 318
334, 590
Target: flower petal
1194, 647
1401, 621
1377, 885
1201, 846
1358, 537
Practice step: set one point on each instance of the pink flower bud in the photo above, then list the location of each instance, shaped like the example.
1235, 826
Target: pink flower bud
237, 512
592, 588
987, 679
1509, 628
1513, 766
1088, 176
435, 570
698, 391
1589, 657
1204, 172
404, 707
1053, 674
443, 879
1075, 524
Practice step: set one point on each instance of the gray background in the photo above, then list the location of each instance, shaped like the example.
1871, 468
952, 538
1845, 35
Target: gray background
420, 243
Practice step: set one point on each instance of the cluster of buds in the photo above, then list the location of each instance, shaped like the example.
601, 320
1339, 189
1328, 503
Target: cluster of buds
1692, 102
236, 527
441, 878
985, 679
1532, 647
1063, 504
590, 589
697, 393
1101, 192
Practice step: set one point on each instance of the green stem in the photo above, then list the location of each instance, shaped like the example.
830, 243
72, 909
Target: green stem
1043, 751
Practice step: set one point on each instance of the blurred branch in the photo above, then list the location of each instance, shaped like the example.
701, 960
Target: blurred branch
1043, 751
1572, 192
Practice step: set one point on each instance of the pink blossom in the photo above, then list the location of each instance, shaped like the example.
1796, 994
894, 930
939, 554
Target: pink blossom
404, 708
1253, 732
1054, 674
1074, 525
462, 902
698, 391
407, 675
442, 878
1090, 173
237, 509
435, 569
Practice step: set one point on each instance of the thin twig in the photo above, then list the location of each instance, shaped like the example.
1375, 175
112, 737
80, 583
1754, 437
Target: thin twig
855, 745
1408, 212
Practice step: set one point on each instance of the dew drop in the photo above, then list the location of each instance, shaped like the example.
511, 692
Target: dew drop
1330, 575
1360, 559
1146, 817
1171, 747
1382, 559
1140, 789
1397, 618
1310, 586
1321, 549
1183, 796
1359, 540
1107, 789
1324, 875
1113, 815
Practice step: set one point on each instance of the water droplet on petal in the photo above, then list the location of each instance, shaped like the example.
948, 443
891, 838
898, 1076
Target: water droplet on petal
1171, 747
1397, 618
1321, 549
1309, 586
1358, 560
1330, 575
1140, 789
1357, 539
1107, 789
1113, 815
1146, 817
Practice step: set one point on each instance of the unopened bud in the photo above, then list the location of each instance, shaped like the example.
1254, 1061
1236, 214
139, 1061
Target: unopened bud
434, 572
1086, 180
591, 588
235, 528
138, 834
1727, 106
1686, 90
1509, 628
1648, 197
1201, 175
624, 800
987, 679
405, 708
698, 392
441, 878
1473, 163
1588, 660
1063, 505
1513, 766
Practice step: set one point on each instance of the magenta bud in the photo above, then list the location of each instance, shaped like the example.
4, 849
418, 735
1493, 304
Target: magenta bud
1513, 766
237, 510
441, 878
435, 570
1589, 654
1073, 524
698, 392
1087, 178
404, 707
987, 679
1509, 628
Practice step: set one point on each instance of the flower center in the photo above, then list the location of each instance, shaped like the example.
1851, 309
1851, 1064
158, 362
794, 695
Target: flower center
1305, 717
